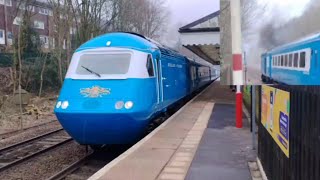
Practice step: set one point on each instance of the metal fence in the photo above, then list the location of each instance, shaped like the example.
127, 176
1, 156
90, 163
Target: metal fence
304, 147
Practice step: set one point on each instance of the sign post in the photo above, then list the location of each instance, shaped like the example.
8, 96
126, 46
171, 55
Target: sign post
253, 116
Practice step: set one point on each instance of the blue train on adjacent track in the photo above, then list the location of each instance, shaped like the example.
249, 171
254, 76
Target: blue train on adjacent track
296, 63
117, 83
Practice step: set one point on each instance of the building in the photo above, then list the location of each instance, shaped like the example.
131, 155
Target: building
11, 18
202, 37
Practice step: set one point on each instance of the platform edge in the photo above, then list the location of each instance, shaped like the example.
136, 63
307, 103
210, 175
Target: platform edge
263, 174
110, 165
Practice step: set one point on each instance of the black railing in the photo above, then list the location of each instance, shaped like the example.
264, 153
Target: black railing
304, 138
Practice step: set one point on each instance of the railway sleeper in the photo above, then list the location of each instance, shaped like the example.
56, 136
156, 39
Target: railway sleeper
75, 177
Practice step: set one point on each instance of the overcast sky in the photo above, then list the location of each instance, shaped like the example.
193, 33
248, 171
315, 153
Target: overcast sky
183, 12
286, 9
188, 11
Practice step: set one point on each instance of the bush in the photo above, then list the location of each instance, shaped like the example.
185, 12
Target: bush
6, 60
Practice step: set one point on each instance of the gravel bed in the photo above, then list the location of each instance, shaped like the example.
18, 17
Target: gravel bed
8, 124
47, 164
29, 133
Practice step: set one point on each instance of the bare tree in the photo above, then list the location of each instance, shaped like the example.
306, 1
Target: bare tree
146, 17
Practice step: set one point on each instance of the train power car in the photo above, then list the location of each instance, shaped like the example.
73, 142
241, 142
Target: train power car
118, 82
296, 63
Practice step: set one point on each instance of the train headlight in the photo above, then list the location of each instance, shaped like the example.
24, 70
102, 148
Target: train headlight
65, 105
58, 104
128, 105
119, 105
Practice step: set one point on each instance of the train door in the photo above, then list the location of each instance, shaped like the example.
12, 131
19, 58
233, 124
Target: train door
267, 66
268, 72
315, 62
159, 81
168, 80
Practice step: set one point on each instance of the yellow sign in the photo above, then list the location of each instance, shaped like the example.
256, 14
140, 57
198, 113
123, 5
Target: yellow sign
275, 113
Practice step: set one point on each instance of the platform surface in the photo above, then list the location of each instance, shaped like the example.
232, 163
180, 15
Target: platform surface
224, 151
198, 142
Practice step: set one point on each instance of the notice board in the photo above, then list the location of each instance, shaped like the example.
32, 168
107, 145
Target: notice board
275, 115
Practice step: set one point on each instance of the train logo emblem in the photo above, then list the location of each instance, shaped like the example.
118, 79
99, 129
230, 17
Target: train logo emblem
95, 92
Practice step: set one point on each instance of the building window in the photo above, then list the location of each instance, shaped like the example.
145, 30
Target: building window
52, 43
302, 59
39, 24
6, 2
73, 30
30, 8
44, 11
44, 40
150, 66
2, 38
17, 21
64, 46
10, 38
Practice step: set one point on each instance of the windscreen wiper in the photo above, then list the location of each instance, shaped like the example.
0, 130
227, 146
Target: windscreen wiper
92, 72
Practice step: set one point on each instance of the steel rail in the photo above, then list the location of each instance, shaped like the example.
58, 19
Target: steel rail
22, 151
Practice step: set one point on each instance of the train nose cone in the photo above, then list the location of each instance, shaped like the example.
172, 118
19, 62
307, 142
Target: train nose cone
91, 104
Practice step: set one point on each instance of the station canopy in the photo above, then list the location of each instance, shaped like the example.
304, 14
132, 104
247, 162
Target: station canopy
202, 37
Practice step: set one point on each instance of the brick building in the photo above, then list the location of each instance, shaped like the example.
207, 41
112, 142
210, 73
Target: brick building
11, 17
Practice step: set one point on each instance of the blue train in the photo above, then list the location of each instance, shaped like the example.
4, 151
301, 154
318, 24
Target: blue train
296, 63
118, 82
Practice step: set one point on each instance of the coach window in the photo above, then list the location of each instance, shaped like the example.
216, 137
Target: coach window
150, 66
302, 59
286, 60
273, 60
296, 58
282, 60
279, 61
290, 60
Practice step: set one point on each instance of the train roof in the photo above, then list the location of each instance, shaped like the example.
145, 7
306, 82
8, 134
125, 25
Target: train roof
134, 41
117, 39
307, 39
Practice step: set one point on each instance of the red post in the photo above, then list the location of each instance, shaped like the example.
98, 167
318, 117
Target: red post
238, 108
237, 56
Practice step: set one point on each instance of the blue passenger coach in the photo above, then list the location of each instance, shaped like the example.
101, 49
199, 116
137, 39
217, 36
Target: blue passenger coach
118, 82
296, 63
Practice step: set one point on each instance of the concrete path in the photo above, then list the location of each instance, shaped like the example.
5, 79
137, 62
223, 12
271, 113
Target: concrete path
224, 151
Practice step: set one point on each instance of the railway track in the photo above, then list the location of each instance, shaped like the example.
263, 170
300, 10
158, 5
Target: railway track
20, 152
94, 161
11, 133
90, 164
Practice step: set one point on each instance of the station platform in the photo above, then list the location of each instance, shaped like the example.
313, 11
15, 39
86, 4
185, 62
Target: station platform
198, 142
